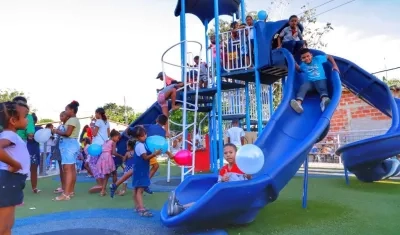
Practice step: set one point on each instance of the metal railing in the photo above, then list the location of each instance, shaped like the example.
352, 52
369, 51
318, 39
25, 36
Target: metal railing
324, 151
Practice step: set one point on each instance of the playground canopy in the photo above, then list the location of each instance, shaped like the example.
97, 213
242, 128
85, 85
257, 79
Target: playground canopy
204, 9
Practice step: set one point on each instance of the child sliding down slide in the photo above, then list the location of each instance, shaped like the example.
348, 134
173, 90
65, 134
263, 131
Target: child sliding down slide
229, 172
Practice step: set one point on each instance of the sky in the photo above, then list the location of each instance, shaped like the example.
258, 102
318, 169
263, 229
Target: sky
99, 51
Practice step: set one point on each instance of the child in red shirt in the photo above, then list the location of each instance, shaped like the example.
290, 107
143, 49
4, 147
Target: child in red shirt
227, 173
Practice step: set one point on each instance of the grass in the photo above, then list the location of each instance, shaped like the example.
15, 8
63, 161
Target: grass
333, 207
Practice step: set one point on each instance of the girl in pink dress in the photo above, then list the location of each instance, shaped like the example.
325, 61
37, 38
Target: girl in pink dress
105, 163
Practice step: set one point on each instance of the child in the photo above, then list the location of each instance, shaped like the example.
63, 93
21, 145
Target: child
151, 130
168, 92
128, 159
292, 37
203, 83
316, 78
55, 151
86, 144
235, 134
14, 161
141, 166
229, 172
34, 152
105, 163
47, 148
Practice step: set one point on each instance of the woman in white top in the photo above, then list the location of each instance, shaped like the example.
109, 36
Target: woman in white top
101, 129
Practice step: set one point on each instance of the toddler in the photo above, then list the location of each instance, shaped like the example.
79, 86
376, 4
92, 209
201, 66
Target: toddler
229, 172
128, 159
316, 78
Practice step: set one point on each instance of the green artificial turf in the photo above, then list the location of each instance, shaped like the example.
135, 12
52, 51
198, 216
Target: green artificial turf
333, 207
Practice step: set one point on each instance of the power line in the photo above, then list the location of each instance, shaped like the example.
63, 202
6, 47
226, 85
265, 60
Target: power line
385, 70
317, 6
335, 7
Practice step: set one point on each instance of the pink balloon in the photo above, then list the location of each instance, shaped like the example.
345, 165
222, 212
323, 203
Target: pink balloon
183, 158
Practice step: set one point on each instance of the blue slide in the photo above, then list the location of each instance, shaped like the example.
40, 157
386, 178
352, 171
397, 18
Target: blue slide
285, 142
369, 159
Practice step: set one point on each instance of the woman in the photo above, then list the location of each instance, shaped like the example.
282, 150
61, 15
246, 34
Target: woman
69, 149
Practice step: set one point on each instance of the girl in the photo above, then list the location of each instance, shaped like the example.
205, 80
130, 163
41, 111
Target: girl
69, 148
128, 159
229, 172
34, 152
101, 129
86, 144
14, 161
141, 168
55, 152
105, 163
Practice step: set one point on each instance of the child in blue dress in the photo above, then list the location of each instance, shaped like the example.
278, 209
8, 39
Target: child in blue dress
128, 170
141, 169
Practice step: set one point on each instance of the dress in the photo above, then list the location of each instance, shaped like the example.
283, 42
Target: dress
141, 167
105, 163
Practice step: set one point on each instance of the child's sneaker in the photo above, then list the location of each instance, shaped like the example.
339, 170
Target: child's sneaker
174, 207
296, 106
113, 188
148, 190
325, 102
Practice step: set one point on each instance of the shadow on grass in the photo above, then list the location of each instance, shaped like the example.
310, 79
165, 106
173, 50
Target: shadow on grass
380, 187
288, 214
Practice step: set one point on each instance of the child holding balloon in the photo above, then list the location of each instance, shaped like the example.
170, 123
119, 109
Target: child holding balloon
227, 173
105, 163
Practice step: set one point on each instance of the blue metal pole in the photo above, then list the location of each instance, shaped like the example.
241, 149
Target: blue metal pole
346, 175
206, 38
271, 99
242, 11
283, 86
210, 143
305, 183
214, 131
246, 91
219, 95
258, 84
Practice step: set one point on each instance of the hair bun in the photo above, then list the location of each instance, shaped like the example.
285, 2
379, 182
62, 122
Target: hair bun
76, 103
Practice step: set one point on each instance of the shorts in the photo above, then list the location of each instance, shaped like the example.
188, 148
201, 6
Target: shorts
204, 78
153, 161
55, 153
69, 149
161, 100
117, 162
35, 159
11, 188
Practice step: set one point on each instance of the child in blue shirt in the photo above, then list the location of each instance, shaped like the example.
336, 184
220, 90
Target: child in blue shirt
316, 78
291, 36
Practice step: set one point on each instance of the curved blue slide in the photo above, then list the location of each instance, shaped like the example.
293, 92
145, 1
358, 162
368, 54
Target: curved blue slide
285, 142
369, 159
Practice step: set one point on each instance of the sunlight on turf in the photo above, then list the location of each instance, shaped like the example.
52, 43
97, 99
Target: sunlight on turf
388, 182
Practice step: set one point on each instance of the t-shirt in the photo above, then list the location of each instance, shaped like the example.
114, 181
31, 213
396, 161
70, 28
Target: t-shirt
154, 129
102, 133
140, 149
315, 70
18, 151
235, 134
30, 128
73, 121
235, 174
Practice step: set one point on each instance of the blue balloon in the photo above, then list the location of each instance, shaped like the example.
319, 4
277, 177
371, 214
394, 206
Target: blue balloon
157, 142
262, 15
95, 150
250, 159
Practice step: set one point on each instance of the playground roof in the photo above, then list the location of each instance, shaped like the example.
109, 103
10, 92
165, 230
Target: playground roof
204, 9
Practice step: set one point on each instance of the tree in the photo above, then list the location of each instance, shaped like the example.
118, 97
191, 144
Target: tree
177, 117
8, 94
117, 113
45, 120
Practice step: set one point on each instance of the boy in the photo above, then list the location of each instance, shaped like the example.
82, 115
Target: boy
316, 78
292, 37
151, 130
235, 134
203, 83
30, 128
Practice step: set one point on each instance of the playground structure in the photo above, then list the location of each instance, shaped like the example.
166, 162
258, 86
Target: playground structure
286, 139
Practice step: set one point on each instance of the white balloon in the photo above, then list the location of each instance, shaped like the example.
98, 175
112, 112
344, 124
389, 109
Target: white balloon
250, 159
42, 135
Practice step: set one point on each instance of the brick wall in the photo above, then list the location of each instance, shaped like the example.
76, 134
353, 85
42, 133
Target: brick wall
354, 114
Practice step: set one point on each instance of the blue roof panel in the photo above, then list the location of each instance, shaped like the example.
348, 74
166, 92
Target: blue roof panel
204, 9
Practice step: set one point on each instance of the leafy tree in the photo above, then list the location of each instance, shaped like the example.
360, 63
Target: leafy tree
177, 117
117, 113
8, 94
45, 120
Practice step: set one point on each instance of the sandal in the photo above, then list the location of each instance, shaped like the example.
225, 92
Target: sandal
36, 191
72, 194
62, 197
145, 213
113, 188
121, 193
102, 194
58, 190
